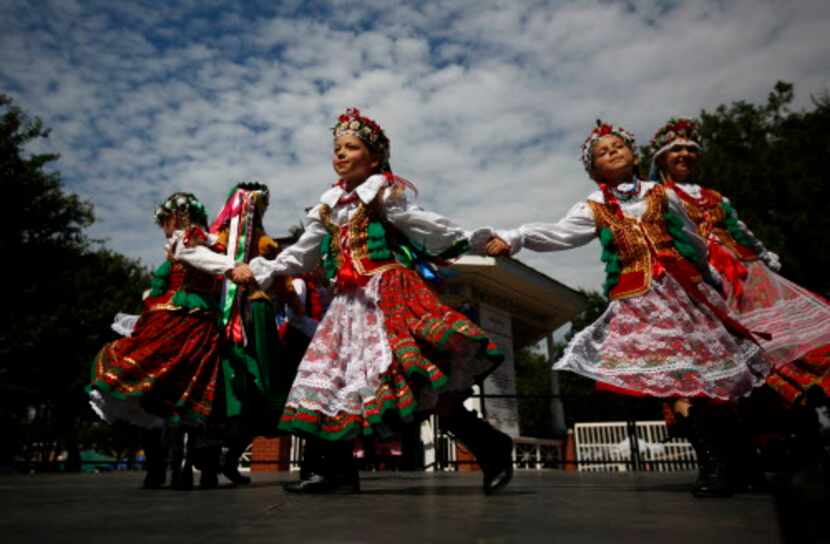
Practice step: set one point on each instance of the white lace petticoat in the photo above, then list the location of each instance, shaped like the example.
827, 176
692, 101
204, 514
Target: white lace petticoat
664, 344
798, 320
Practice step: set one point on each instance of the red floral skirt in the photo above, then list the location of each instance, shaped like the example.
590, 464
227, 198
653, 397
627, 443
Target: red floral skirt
169, 364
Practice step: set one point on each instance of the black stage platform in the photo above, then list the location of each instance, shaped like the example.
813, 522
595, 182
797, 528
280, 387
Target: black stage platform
544, 506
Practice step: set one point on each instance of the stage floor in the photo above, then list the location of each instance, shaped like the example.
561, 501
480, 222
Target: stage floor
404, 507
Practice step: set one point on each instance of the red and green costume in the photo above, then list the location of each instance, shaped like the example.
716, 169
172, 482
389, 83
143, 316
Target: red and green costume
386, 346
167, 369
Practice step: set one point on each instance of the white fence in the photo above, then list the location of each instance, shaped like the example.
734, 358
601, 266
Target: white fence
608, 447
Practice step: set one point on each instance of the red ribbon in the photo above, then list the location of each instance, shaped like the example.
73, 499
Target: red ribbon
728, 266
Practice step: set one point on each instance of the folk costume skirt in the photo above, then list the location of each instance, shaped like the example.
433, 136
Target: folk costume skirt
256, 378
382, 352
798, 320
664, 344
165, 372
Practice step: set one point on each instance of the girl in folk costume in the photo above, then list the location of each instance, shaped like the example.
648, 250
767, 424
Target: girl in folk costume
254, 372
386, 346
797, 320
166, 370
665, 333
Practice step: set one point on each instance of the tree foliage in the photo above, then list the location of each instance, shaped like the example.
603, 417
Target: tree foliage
61, 289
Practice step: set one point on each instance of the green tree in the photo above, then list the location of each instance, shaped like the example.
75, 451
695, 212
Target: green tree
61, 291
770, 162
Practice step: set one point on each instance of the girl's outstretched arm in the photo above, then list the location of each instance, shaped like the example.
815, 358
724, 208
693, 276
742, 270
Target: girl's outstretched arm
432, 231
302, 256
576, 229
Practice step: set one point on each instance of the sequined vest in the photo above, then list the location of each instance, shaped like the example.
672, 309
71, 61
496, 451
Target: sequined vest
712, 217
639, 245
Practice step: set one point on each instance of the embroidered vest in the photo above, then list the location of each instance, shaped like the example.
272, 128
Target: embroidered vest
359, 248
714, 216
177, 285
633, 248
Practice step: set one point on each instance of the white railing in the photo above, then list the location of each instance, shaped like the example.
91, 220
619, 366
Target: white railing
537, 453
607, 447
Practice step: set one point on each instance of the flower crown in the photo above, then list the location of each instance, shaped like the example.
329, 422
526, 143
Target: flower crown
677, 128
604, 129
186, 207
370, 133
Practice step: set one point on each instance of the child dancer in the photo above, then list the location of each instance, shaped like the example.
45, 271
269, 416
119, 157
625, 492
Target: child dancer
251, 360
166, 370
386, 345
797, 320
665, 332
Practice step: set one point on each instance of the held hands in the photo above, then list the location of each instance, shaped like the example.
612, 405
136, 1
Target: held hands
496, 247
241, 274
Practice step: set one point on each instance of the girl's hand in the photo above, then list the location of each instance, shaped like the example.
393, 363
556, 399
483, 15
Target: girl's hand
241, 274
497, 247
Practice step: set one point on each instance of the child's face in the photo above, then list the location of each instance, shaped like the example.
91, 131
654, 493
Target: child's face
680, 162
613, 160
352, 160
168, 225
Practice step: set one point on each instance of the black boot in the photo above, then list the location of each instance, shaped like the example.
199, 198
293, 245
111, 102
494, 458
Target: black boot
312, 462
237, 437
492, 448
155, 458
181, 460
206, 460
712, 480
230, 466
746, 474
329, 469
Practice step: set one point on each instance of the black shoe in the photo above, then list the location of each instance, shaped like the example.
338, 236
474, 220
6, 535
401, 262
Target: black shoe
153, 480
231, 472
317, 484
710, 447
495, 481
155, 459
497, 462
182, 479
208, 480
711, 484
492, 448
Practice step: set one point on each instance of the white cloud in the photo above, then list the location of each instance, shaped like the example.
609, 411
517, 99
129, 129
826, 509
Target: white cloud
486, 102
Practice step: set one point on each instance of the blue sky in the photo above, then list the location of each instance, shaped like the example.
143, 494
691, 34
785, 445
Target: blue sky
486, 102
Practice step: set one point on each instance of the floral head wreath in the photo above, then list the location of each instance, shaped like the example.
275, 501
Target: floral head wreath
369, 132
187, 209
676, 131
604, 129
245, 191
